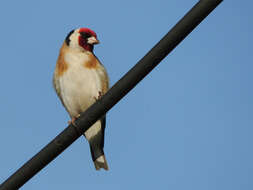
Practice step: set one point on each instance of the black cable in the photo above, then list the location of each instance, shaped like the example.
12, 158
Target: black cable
118, 91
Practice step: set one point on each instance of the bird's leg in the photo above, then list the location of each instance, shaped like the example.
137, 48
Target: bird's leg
73, 120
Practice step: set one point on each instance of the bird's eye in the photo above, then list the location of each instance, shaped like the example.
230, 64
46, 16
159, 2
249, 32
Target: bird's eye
85, 35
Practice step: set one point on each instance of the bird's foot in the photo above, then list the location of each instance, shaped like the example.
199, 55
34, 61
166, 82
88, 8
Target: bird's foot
99, 96
72, 121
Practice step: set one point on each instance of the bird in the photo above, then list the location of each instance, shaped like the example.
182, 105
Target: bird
80, 80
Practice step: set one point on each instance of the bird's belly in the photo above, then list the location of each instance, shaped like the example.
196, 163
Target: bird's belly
79, 87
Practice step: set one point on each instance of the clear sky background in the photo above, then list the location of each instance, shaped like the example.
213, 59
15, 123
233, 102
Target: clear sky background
187, 125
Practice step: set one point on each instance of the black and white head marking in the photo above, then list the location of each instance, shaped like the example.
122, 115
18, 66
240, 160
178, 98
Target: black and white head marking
67, 39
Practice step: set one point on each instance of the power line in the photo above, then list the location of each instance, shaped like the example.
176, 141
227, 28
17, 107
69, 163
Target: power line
118, 91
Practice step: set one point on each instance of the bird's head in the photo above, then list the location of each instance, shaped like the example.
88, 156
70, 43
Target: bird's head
82, 39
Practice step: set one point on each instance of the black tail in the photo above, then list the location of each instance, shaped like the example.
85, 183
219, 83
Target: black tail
95, 136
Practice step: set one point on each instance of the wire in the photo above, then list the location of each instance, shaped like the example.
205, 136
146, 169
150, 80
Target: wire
118, 91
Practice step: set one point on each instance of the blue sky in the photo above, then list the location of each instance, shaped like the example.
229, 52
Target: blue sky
187, 125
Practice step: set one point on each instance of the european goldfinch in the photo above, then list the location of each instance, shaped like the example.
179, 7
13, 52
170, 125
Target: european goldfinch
79, 80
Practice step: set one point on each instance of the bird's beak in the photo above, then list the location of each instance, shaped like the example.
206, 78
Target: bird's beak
92, 40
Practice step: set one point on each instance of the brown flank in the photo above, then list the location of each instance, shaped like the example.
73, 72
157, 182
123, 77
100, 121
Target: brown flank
92, 63
61, 65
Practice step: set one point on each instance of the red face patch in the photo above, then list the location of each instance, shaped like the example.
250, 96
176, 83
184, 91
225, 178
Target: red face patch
84, 33
89, 31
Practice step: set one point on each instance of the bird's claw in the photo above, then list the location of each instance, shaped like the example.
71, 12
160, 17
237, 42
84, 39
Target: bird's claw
73, 120
99, 96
